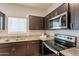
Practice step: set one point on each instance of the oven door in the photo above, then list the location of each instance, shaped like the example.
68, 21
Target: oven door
49, 44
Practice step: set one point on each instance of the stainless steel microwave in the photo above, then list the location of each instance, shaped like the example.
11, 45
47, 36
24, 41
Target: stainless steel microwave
59, 21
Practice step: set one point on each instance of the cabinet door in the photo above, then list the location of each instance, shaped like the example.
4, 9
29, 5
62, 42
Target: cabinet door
5, 51
33, 48
74, 15
62, 8
19, 50
35, 23
46, 23
72, 12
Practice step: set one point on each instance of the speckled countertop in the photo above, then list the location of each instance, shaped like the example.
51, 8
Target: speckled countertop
9, 39
71, 52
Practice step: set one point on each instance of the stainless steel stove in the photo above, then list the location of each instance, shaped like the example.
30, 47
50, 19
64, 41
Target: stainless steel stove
60, 43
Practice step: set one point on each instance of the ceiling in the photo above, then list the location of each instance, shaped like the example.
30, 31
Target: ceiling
43, 6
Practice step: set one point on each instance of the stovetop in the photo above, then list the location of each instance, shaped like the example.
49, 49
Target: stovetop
61, 42
57, 48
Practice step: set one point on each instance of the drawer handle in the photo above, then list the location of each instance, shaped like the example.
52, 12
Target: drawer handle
28, 46
33, 42
13, 49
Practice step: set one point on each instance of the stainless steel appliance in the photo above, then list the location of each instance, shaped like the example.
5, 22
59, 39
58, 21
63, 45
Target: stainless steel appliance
60, 43
59, 22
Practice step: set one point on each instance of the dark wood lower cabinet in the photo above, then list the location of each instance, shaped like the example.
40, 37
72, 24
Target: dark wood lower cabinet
29, 48
19, 51
5, 51
33, 48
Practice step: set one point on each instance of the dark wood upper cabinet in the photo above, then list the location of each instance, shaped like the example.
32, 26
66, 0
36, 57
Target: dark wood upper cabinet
62, 8
36, 23
74, 12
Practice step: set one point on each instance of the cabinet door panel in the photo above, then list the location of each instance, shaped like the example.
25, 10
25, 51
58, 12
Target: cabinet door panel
35, 23
74, 15
33, 48
5, 51
46, 23
19, 50
72, 12
77, 16
62, 8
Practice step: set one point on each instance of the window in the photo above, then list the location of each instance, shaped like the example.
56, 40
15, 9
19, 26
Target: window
1, 21
17, 25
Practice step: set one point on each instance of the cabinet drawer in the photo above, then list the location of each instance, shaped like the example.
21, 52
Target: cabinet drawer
5, 51
35, 42
3, 45
18, 43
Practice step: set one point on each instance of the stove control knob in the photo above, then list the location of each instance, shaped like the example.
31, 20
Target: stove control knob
67, 37
70, 38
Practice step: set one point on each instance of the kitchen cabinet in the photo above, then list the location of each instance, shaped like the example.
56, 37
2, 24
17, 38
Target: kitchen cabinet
45, 23
33, 48
5, 51
19, 50
46, 18
74, 10
36, 23
26, 48
62, 8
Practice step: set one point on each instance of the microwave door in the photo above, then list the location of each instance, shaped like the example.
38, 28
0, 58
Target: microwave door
50, 24
57, 23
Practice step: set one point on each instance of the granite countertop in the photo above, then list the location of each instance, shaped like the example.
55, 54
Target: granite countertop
71, 52
23, 38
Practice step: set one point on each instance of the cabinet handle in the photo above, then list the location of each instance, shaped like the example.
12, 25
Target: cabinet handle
28, 46
33, 42
13, 49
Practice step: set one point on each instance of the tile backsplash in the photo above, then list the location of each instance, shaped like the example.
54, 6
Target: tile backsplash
68, 32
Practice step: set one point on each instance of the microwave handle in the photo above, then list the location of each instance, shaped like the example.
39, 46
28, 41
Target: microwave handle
71, 25
60, 20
